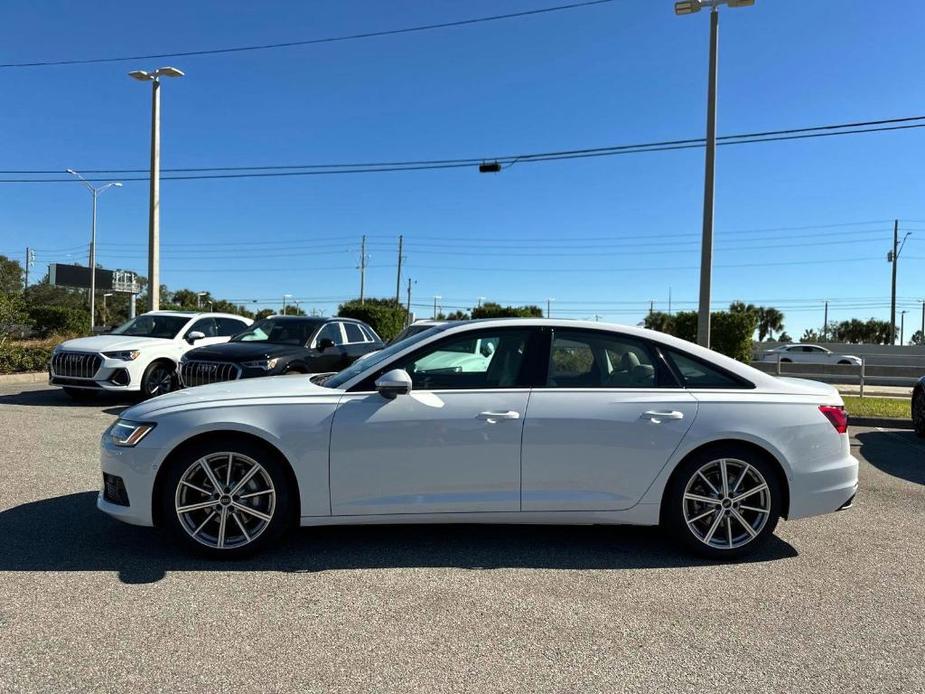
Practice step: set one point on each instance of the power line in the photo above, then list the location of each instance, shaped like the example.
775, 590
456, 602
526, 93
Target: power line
312, 42
274, 171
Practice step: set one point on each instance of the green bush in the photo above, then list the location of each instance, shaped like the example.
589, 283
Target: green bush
386, 316
492, 310
730, 332
13, 317
18, 358
59, 320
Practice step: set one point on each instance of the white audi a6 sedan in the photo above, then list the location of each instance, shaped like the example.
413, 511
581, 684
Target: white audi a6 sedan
564, 423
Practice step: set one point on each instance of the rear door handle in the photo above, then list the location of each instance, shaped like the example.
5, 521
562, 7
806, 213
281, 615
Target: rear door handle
658, 417
492, 417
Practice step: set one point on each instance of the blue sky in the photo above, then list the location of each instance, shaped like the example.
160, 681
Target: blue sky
601, 236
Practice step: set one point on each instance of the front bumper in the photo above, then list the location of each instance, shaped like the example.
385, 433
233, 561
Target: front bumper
112, 375
137, 468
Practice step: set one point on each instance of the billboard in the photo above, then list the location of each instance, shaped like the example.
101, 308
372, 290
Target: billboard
61, 275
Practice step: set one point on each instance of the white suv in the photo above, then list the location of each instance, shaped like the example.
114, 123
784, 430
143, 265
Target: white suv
140, 355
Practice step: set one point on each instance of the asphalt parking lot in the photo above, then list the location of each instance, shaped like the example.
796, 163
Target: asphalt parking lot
834, 604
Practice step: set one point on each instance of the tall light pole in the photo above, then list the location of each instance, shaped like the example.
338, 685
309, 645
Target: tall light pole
902, 327
436, 299
549, 301
199, 296
285, 296
95, 192
154, 212
706, 244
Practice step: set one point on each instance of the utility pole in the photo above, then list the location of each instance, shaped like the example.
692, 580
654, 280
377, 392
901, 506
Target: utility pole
408, 309
436, 298
825, 323
401, 239
30, 260
363, 270
549, 307
902, 327
923, 323
669, 301
893, 257
651, 306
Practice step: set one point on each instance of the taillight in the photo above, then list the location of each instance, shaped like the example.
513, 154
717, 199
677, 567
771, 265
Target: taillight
837, 416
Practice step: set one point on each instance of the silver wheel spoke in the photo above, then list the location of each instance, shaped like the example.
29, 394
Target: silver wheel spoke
741, 479
702, 499
203, 524
222, 523
204, 464
196, 507
743, 523
245, 479
760, 488
193, 486
729, 530
228, 471
712, 530
252, 511
709, 483
253, 494
743, 507
702, 515
241, 525
724, 474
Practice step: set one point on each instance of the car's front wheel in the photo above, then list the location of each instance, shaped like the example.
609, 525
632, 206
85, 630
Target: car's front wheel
159, 378
918, 411
226, 500
723, 504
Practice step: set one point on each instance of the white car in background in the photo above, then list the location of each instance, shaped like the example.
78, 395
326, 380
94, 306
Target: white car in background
623, 426
140, 355
808, 354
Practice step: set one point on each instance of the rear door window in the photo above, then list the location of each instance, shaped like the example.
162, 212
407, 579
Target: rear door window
696, 373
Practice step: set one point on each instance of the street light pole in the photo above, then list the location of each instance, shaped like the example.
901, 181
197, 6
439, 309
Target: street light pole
893, 257
95, 192
154, 202
902, 327
706, 245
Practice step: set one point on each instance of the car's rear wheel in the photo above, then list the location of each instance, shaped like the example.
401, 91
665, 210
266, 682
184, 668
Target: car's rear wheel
723, 503
918, 411
159, 378
226, 500
844, 362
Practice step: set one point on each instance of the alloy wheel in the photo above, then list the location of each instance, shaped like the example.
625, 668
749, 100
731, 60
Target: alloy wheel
225, 500
159, 381
726, 503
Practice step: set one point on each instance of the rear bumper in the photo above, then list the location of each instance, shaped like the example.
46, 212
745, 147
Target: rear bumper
825, 489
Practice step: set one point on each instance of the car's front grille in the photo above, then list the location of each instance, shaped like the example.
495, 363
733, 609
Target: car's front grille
76, 364
200, 373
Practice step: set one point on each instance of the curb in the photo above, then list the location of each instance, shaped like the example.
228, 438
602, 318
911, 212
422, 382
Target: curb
885, 422
30, 377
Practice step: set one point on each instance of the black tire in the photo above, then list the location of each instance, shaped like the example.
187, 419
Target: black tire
160, 377
282, 515
844, 362
81, 394
786, 361
918, 412
674, 504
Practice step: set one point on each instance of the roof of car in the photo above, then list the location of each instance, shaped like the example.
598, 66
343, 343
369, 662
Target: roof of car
193, 314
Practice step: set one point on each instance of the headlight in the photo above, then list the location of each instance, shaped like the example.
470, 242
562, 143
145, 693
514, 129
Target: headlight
126, 433
131, 355
265, 364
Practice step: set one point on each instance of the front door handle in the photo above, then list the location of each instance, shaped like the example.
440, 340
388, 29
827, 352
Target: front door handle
658, 417
492, 417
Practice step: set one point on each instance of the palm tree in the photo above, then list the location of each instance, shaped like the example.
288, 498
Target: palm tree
770, 320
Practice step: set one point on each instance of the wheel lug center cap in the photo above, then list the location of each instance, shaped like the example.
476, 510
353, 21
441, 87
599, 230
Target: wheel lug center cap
225, 500
727, 503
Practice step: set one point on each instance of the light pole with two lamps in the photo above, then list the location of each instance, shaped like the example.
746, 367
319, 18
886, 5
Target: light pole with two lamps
154, 213
95, 192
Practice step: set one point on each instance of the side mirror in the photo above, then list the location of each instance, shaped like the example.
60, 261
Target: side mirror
195, 335
325, 343
393, 383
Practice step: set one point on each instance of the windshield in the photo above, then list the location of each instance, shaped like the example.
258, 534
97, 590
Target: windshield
166, 327
409, 331
377, 358
279, 331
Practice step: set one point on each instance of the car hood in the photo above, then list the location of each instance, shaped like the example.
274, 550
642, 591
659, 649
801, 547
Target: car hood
243, 351
290, 386
112, 343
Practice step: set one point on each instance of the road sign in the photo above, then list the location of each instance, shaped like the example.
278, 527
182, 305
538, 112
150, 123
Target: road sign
60, 275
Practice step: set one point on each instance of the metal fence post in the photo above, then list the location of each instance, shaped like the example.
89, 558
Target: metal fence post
863, 361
